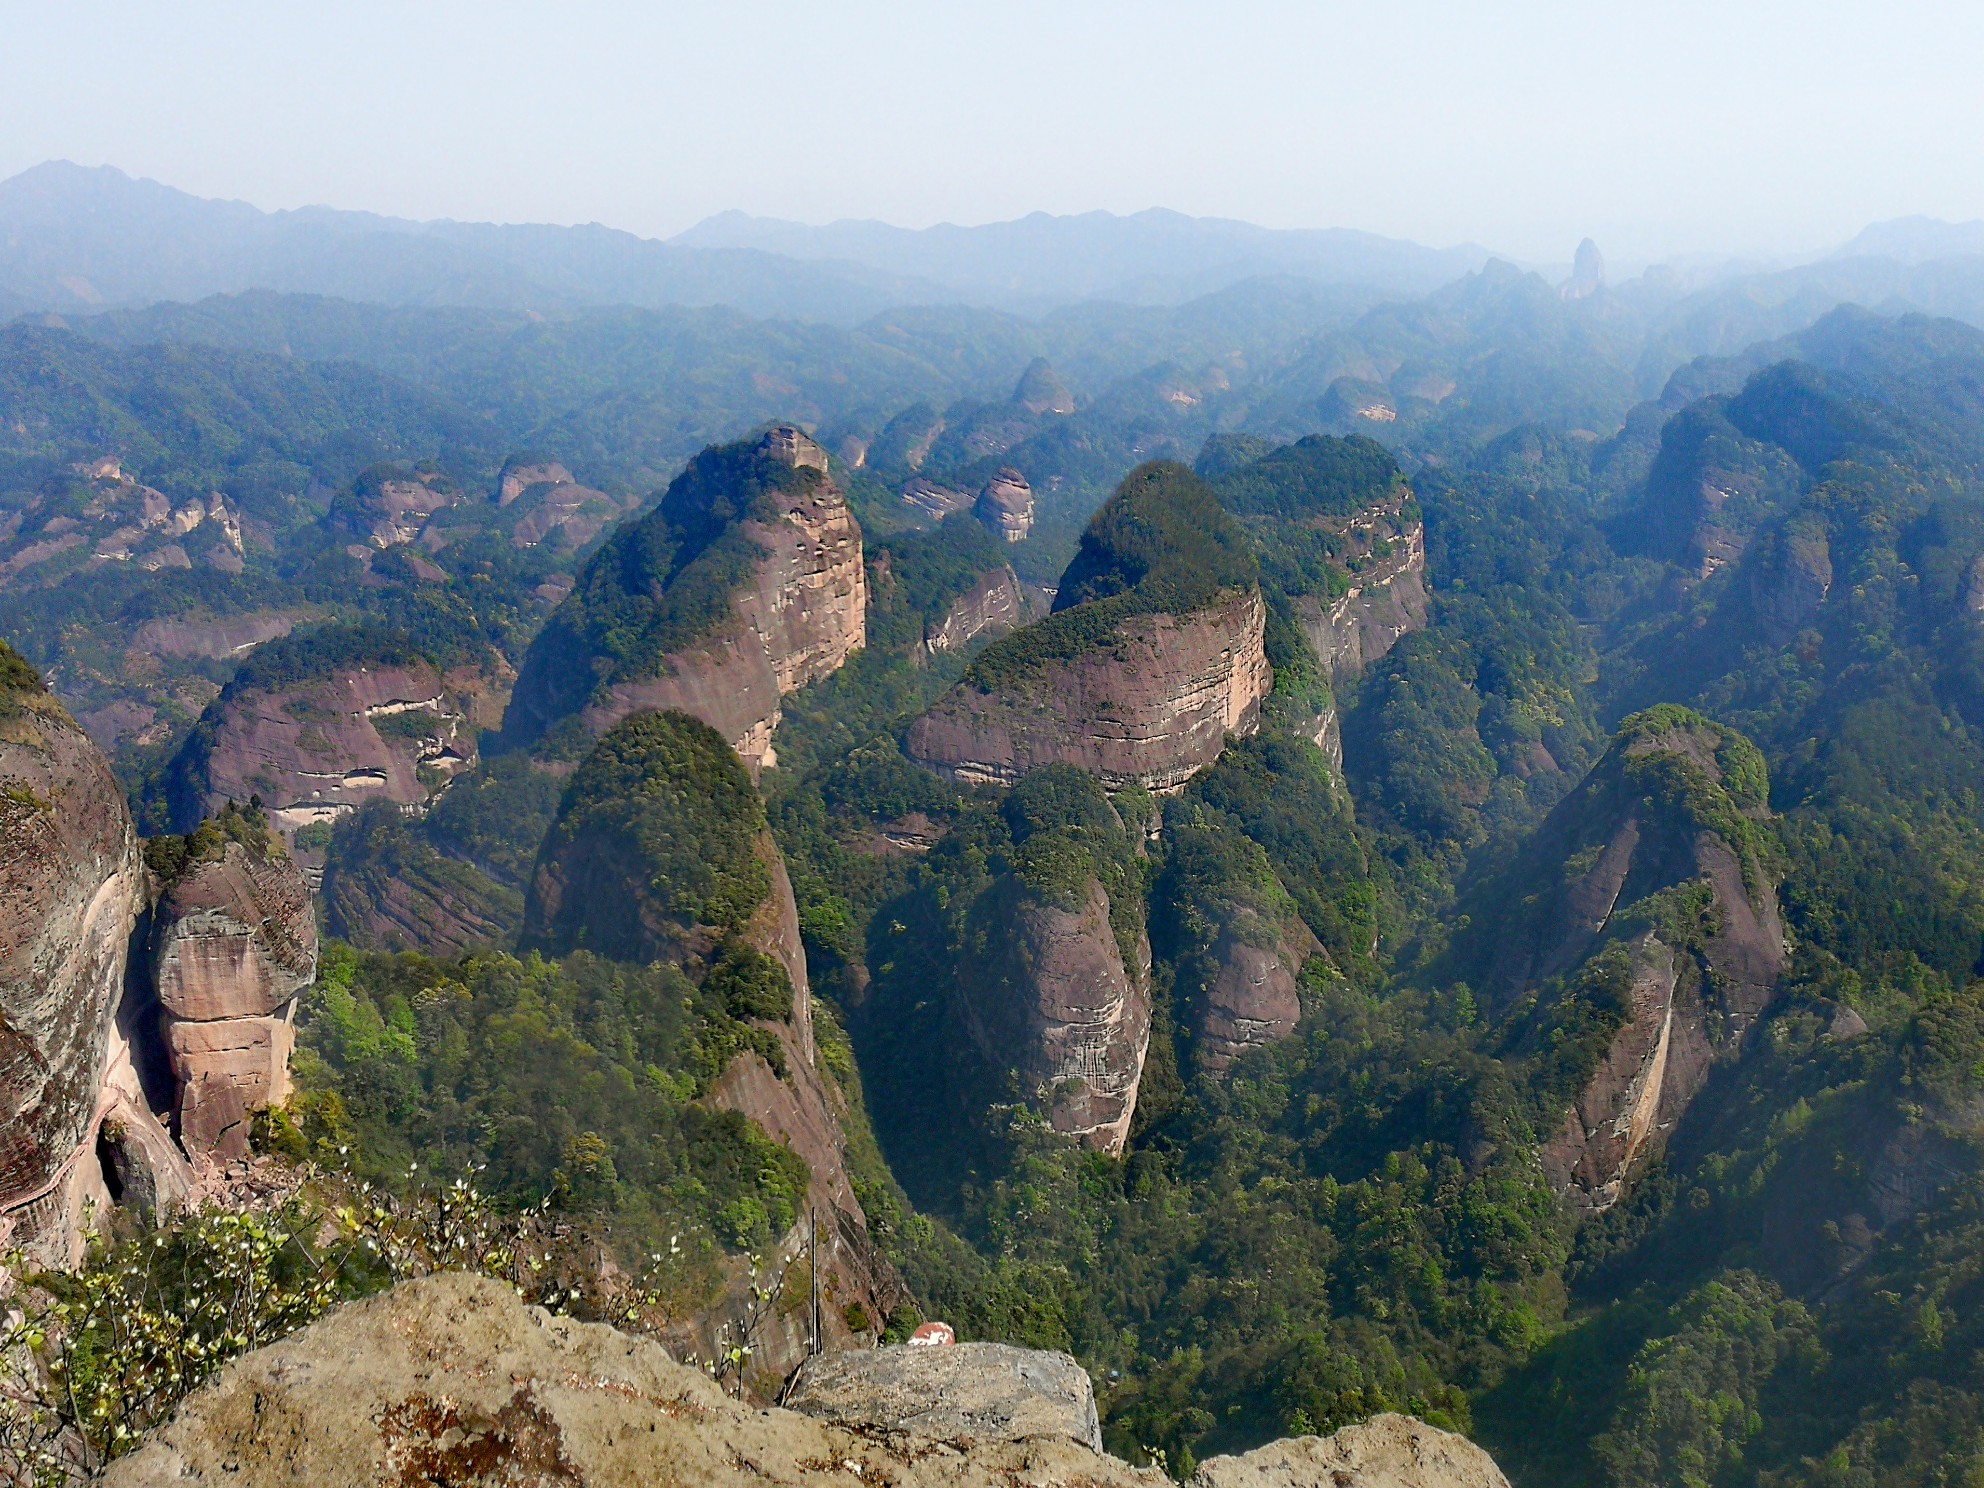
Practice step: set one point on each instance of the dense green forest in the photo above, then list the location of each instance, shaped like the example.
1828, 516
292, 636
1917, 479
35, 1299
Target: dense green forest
1715, 634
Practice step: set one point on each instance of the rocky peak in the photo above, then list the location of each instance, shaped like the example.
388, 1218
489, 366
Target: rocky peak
1154, 654
794, 447
1005, 506
744, 584
233, 944
388, 506
1587, 272
661, 853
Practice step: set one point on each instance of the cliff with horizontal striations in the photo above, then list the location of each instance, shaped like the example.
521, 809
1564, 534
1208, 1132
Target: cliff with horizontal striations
1155, 653
233, 944
324, 720
746, 583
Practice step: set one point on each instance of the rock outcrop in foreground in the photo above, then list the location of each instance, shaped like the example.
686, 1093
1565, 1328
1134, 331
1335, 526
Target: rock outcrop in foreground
453, 1381
72, 885
74, 1116
745, 584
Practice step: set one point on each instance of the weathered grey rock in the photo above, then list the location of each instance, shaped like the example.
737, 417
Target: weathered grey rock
452, 1380
1386, 1451
964, 1392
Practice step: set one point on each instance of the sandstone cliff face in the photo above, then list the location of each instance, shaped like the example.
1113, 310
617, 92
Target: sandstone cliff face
1149, 706
992, 606
1006, 505
1386, 600
233, 943
389, 510
933, 500
1055, 1002
71, 888
452, 1380
318, 748
797, 616
1665, 824
1250, 997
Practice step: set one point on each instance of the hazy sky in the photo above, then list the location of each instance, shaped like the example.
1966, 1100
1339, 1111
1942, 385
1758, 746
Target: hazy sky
1659, 128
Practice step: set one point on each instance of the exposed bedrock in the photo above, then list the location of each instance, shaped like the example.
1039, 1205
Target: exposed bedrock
1384, 602
795, 613
1149, 704
72, 885
234, 942
992, 606
1053, 1001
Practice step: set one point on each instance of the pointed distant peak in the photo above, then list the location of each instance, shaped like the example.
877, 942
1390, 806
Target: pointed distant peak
1041, 390
1587, 272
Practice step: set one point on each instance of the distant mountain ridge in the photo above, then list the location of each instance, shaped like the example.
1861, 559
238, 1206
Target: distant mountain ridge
76, 238
1150, 256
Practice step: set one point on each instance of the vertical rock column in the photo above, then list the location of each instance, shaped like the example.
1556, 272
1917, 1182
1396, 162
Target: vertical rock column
233, 944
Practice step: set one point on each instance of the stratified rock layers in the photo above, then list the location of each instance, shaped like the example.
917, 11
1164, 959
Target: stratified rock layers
233, 944
1149, 705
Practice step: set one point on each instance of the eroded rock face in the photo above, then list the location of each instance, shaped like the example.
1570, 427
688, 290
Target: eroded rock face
1006, 505
1386, 600
520, 473
389, 511
1605, 898
72, 886
1055, 1001
318, 748
1250, 999
233, 943
992, 606
932, 499
796, 617
1149, 705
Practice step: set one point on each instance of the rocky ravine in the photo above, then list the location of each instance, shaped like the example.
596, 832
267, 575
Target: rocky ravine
451, 1380
1150, 704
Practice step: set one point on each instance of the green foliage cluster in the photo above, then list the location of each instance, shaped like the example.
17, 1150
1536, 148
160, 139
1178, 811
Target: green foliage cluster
664, 806
17, 673
1163, 531
575, 1081
170, 856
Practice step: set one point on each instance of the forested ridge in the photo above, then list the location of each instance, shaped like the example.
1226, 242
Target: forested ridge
1692, 739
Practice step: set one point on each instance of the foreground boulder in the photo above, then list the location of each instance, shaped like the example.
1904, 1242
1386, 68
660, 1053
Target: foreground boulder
977, 1391
451, 1380
1384, 1452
